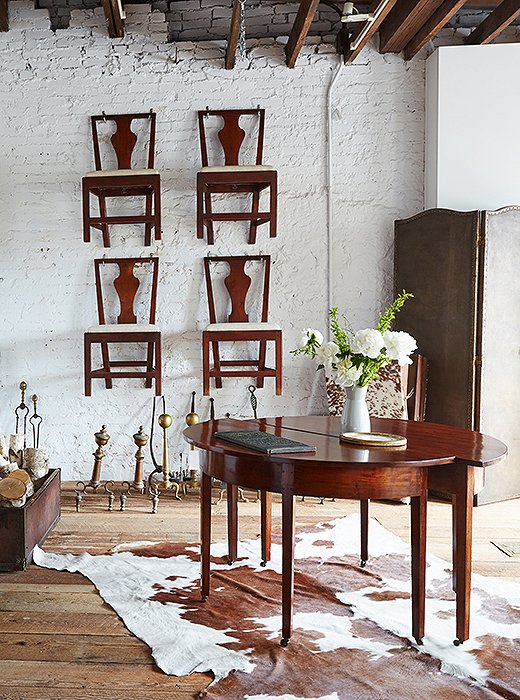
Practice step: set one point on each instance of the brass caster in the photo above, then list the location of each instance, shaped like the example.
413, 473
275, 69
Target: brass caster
263, 563
418, 641
362, 563
284, 642
229, 562
458, 642
204, 598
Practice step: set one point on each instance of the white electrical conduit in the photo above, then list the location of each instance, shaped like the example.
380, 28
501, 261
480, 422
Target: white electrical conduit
330, 203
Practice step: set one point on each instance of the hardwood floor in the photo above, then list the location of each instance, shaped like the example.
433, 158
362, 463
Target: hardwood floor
59, 641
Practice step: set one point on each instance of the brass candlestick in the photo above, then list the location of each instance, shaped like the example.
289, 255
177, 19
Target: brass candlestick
101, 438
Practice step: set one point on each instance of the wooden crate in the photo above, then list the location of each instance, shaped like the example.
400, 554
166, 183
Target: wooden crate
21, 529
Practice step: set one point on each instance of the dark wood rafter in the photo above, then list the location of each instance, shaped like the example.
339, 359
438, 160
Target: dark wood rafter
300, 29
405, 20
374, 27
234, 35
437, 21
4, 16
115, 18
495, 23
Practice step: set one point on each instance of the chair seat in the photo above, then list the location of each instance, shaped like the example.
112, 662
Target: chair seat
124, 328
121, 173
236, 168
219, 327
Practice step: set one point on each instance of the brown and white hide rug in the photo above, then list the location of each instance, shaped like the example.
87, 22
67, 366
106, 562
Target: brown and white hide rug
352, 626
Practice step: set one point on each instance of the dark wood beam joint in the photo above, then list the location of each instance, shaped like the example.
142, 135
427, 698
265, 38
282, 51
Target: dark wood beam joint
234, 35
300, 29
114, 15
495, 23
405, 20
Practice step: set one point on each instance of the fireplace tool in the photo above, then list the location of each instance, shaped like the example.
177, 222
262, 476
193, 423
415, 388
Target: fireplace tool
192, 478
35, 420
21, 412
166, 483
95, 483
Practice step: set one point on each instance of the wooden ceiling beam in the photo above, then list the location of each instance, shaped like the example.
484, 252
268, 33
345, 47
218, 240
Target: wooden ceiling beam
4, 16
405, 20
115, 18
234, 35
495, 23
374, 27
437, 21
301, 26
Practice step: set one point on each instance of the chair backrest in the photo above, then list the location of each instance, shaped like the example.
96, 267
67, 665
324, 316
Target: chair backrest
231, 135
237, 284
126, 286
399, 392
123, 139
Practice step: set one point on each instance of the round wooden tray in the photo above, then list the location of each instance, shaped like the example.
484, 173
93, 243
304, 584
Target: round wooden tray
373, 439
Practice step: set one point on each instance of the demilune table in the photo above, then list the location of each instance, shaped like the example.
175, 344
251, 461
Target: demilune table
438, 457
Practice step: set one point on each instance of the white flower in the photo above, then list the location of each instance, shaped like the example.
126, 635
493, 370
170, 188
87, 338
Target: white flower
399, 346
310, 334
368, 342
327, 354
346, 374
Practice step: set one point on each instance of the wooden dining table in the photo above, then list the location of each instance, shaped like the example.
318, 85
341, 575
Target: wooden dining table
435, 457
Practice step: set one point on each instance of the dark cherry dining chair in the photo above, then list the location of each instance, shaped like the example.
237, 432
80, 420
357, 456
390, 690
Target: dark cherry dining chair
232, 176
127, 179
238, 326
126, 329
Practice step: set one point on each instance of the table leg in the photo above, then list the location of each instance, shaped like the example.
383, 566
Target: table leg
287, 566
232, 511
205, 533
266, 517
363, 512
462, 547
418, 523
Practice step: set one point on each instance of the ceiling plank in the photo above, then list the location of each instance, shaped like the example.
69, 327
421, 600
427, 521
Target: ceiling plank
4, 16
374, 27
301, 26
440, 17
115, 18
495, 23
405, 20
234, 35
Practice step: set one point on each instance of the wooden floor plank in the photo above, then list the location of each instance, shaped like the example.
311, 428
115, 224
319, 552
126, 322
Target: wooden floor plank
85, 603
27, 622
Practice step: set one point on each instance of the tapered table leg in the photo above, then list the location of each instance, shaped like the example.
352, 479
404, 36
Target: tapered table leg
266, 517
418, 523
232, 511
363, 512
205, 533
287, 566
462, 547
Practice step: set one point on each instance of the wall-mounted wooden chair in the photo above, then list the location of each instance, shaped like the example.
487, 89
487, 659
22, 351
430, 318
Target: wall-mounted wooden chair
127, 328
234, 177
238, 326
127, 180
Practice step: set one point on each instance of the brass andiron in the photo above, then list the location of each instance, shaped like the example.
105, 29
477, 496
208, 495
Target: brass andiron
138, 484
101, 438
167, 483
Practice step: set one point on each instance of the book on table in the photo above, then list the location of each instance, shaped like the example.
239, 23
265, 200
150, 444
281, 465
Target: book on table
267, 443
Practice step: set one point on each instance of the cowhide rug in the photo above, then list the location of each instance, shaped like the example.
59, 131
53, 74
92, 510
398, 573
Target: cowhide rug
352, 636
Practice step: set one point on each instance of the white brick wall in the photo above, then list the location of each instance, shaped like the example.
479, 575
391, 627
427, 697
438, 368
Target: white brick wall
49, 85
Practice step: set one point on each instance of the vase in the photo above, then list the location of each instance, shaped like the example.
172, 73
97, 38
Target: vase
355, 417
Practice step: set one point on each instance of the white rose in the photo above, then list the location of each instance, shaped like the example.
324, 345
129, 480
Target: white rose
327, 354
399, 346
368, 342
346, 374
307, 335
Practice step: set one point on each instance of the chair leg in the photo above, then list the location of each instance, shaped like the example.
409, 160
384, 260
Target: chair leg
278, 364
205, 364
86, 211
363, 511
261, 363
209, 222
273, 207
216, 364
104, 226
148, 225
158, 367
106, 364
253, 226
157, 211
149, 363
87, 355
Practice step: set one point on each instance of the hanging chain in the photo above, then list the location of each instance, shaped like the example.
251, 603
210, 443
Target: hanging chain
242, 48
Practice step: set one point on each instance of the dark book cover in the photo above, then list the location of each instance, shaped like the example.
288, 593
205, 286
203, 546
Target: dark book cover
264, 442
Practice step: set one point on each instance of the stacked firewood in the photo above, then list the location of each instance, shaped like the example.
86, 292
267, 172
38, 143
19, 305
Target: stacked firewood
21, 470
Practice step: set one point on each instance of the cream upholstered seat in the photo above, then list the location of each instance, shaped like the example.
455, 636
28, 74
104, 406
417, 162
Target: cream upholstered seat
122, 172
235, 168
217, 327
124, 328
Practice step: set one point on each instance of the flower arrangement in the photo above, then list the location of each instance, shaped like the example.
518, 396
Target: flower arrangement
354, 359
